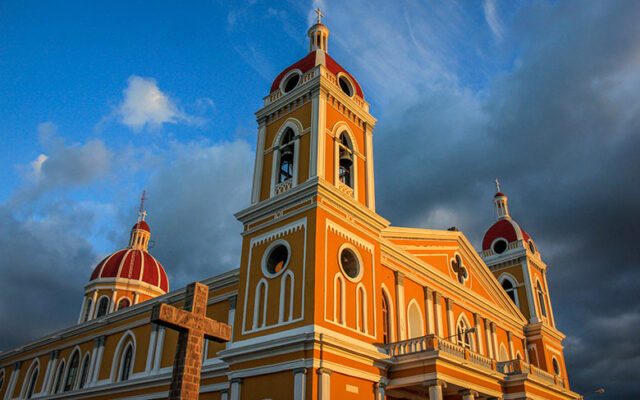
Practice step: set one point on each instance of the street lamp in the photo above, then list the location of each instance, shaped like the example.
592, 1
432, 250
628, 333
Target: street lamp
466, 332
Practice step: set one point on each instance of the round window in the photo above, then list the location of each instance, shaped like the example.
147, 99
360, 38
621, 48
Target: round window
291, 82
500, 246
277, 259
345, 85
349, 263
556, 366
532, 247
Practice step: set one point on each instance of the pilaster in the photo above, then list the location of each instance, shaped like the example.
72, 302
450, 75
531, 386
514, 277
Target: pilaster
299, 383
324, 384
400, 306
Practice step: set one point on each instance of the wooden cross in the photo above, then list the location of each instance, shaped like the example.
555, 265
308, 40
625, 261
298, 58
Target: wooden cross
194, 326
460, 271
320, 15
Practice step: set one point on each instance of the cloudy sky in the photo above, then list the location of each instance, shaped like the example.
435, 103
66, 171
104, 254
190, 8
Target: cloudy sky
100, 101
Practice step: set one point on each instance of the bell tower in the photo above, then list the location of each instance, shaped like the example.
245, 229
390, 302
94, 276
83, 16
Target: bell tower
307, 247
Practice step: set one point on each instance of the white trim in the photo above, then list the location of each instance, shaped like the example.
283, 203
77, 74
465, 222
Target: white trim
343, 127
349, 80
505, 276
257, 298
283, 287
361, 309
390, 303
97, 308
34, 367
410, 324
473, 345
76, 350
61, 367
369, 180
87, 356
349, 246
338, 277
296, 127
260, 239
116, 364
259, 162
266, 254
288, 75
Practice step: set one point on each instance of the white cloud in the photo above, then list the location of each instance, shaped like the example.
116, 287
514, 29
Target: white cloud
36, 166
492, 18
144, 104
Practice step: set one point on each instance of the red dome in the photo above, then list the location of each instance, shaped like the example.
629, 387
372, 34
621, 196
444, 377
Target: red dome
499, 194
144, 268
306, 64
141, 225
504, 228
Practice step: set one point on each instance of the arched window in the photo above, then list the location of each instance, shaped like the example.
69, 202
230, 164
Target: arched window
125, 369
386, 320
463, 336
543, 308
286, 152
510, 288
286, 297
361, 308
345, 161
72, 372
32, 383
260, 305
84, 372
414, 318
503, 355
87, 310
103, 307
123, 303
338, 299
59, 378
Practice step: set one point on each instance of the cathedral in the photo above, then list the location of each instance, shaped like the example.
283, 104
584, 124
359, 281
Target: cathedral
329, 301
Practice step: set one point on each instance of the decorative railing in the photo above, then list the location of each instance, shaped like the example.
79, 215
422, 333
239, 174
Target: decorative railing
432, 343
345, 189
283, 186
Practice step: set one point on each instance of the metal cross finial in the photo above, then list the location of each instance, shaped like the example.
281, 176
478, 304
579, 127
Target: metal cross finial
498, 184
320, 15
142, 213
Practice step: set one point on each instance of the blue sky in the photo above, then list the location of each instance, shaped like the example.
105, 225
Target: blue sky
100, 100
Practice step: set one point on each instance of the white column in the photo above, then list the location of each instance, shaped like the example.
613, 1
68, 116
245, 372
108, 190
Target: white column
380, 391
236, 385
322, 133
232, 314
494, 339
468, 394
324, 384
47, 373
400, 311
299, 383
152, 347
428, 306
94, 297
487, 335
136, 298
435, 389
451, 329
159, 346
370, 183
476, 324
98, 363
438, 313
92, 362
546, 290
313, 144
84, 305
224, 394
112, 308
533, 311
510, 340
257, 169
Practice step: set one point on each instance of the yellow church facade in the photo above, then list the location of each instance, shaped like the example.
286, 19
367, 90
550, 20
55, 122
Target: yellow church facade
330, 301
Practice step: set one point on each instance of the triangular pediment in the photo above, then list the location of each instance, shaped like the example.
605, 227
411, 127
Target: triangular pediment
433, 252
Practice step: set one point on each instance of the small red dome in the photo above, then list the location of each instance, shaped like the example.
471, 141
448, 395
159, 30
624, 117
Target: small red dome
141, 225
144, 268
504, 228
306, 64
499, 194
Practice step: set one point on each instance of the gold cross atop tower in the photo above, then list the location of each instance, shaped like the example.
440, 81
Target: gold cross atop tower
320, 15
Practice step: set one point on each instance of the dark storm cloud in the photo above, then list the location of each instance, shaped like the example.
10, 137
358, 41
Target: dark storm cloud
562, 132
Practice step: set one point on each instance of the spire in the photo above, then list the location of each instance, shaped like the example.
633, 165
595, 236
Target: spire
318, 35
500, 202
140, 233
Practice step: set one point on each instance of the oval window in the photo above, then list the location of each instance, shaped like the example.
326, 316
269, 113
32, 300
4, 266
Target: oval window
349, 263
291, 82
532, 247
277, 259
345, 85
556, 366
500, 246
